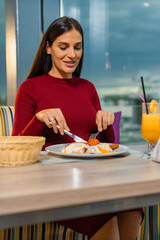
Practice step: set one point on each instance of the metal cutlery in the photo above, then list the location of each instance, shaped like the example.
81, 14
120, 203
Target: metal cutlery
93, 135
76, 138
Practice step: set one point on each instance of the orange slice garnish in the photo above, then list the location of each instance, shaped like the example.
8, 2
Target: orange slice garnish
153, 106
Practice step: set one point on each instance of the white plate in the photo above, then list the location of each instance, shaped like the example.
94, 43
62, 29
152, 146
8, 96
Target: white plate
56, 149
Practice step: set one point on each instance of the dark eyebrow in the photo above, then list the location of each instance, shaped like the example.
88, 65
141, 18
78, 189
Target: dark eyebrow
65, 43
62, 43
79, 43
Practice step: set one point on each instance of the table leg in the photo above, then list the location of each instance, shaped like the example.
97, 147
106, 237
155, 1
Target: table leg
153, 225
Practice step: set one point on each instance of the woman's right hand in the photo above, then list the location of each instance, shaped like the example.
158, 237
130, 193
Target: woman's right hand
53, 117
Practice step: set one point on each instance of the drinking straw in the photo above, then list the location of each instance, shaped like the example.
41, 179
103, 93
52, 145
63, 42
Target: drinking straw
140, 97
144, 94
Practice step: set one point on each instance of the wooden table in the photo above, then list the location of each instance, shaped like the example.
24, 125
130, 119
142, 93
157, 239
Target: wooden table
40, 192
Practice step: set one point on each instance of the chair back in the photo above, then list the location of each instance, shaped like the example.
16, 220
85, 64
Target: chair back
6, 120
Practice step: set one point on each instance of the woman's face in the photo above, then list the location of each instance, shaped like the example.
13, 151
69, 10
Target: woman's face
66, 52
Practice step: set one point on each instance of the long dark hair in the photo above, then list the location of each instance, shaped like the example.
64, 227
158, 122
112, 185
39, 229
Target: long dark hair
42, 63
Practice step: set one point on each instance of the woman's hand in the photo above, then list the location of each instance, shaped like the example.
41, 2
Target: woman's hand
53, 117
104, 119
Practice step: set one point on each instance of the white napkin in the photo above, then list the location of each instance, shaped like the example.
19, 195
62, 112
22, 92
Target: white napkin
135, 152
155, 155
46, 158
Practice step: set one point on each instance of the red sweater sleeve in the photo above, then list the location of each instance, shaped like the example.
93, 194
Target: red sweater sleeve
108, 134
25, 121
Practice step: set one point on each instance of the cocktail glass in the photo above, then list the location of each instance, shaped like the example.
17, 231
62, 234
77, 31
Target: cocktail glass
150, 127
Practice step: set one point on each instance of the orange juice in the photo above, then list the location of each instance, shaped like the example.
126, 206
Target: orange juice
150, 129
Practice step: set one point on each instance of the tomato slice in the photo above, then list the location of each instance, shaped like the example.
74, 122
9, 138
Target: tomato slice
93, 142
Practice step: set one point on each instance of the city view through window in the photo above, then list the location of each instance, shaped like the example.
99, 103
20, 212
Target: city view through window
121, 45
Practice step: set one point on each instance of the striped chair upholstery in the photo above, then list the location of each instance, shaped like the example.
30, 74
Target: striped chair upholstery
6, 120
42, 231
143, 233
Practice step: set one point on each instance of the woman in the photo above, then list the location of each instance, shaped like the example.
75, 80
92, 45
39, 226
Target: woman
52, 95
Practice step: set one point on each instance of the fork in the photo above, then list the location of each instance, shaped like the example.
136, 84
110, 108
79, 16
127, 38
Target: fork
93, 135
76, 138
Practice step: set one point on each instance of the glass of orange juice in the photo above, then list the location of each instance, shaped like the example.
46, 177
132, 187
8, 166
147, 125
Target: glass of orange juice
150, 127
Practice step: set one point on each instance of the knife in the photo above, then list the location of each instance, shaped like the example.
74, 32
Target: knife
76, 138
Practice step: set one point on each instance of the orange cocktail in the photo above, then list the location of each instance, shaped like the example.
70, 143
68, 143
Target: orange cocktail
150, 129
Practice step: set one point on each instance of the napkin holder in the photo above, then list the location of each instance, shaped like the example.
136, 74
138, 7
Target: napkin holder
155, 155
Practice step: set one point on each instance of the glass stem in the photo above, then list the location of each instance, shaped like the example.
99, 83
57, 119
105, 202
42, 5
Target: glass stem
150, 148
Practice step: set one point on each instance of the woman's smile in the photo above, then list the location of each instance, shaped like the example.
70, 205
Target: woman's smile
70, 64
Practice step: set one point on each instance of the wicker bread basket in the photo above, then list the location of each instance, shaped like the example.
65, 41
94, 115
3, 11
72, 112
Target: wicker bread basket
20, 150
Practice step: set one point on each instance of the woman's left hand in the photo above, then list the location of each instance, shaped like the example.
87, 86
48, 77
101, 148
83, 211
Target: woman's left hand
104, 119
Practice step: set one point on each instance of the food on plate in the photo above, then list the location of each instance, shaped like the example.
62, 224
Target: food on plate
99, 148
75, 147
92, 147
114, 146
93, 142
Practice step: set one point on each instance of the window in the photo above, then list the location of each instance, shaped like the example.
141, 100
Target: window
121, 45
3, 84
